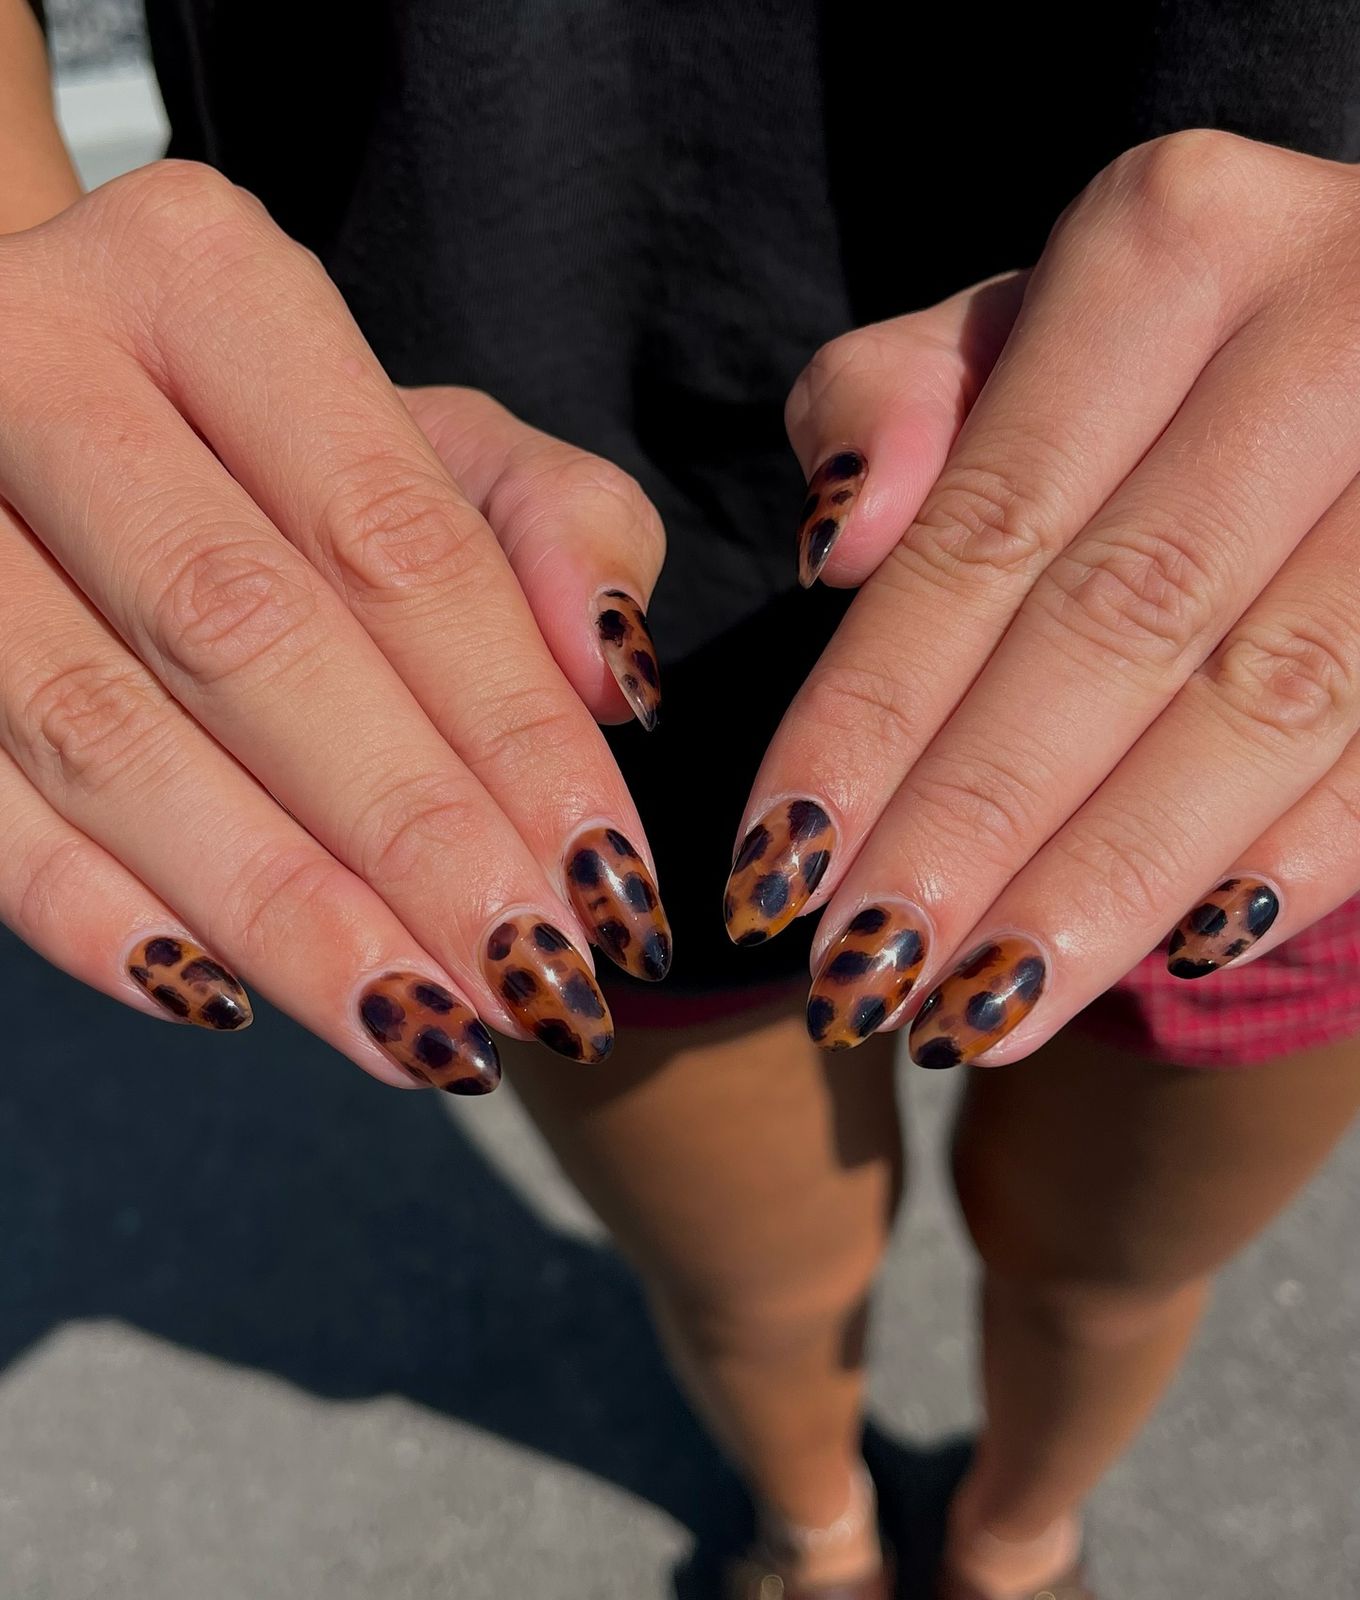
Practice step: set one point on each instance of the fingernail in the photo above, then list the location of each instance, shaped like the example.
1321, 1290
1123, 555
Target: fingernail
542, 978
779, 865
990, 991
629, 653
1222, 927
430, 1032
865, 975
614, 895
831, 494
190, 985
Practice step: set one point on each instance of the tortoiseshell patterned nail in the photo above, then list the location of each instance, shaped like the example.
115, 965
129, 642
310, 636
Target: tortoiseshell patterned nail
540, 975
865, 975
1222, 927
779, 865
987, 994
630, 654
612, 892
430, 1033
190, 985
831, 494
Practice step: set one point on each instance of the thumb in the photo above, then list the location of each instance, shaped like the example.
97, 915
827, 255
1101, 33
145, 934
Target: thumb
873, 416
584, 541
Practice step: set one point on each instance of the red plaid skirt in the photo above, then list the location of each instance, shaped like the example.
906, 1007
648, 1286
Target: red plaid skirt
1304, 992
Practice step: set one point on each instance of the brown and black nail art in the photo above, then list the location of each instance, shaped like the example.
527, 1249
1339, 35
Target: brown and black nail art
629, 653
1223, 926
548, 987
613, 894
189, 984
992, 989
431, 1033
866, 975
831, 494
778, 867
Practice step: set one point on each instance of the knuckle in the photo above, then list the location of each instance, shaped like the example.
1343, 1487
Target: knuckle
282, 887
169, 202
978, 521
1180, 186
520, 732
227, 608
850, 701
989, 808
55, 875
1287, 680
1144, 599
89, 721
409, 824
566, 487
389, 528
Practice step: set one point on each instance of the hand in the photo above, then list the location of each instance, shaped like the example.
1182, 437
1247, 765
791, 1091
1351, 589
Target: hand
277, 681
1114, 661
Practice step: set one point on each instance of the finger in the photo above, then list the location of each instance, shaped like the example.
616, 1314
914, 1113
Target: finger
304, 418
1111, 630
113, 755
1303, 866
75, 904
583, 540
890, 398
1266, 718
1100, 358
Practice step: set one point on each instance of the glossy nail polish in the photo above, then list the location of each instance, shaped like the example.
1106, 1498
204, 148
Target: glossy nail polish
1222, 927
613, 894
831, 494
430, 1032
629, 653
189, 984
989, 993
778, 867
866, 975
547, 987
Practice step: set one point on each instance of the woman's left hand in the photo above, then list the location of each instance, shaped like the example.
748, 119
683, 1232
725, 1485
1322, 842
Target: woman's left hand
1114, 660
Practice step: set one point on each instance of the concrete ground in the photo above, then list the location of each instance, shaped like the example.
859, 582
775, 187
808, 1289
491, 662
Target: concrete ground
269, 1331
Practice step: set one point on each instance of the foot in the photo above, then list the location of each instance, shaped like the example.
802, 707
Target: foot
978, 1565
759, 1577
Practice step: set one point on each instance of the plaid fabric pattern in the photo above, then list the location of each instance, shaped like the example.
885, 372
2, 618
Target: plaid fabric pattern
1304, 992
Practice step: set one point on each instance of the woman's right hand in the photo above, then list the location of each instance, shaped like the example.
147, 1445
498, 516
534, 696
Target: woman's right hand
273, 685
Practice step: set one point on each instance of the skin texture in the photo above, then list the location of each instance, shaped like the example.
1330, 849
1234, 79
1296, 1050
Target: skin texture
865, 975
430, 1032
547, 985
186, 982
777, 869
1105, 649
1102, 1191
615, 896
1225, 925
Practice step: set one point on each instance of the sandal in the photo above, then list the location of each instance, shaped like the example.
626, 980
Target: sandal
754, 1578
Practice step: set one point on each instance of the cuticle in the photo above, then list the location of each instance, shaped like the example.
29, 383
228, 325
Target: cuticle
822, 943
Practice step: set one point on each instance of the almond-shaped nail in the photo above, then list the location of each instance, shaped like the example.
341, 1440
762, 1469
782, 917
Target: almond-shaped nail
989, 993
613, 894
778, 867
629, 653
431, 1033
831, 494
866, 975
185, 981
1223, 926
548, 987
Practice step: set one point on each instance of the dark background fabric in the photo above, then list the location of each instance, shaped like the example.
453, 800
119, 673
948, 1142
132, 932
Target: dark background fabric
633, 223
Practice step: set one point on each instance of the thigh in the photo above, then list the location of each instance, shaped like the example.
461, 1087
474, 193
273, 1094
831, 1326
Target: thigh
1090, 1164
730, 1157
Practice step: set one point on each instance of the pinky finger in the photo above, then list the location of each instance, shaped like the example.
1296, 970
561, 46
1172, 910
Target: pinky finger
71, 901
1302, 867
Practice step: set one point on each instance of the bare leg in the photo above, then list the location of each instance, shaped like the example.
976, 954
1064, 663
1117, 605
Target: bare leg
752, 1182
1103, 1191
